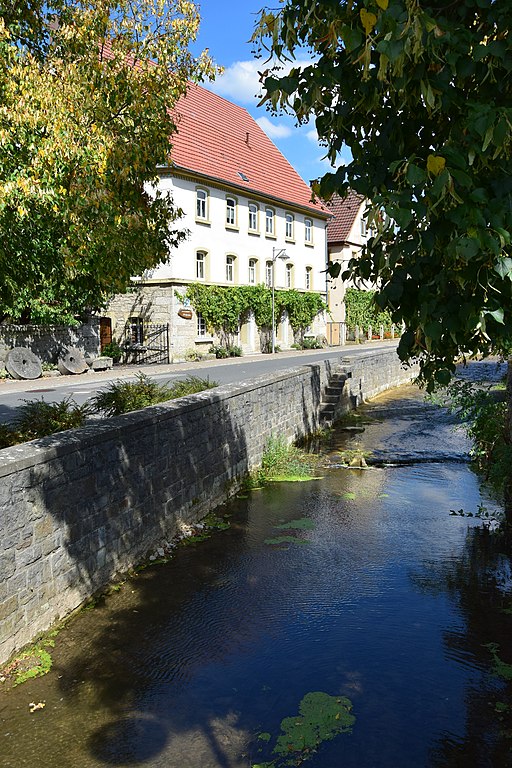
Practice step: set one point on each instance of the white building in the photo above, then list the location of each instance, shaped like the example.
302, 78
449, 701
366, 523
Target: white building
244, 206
347, 233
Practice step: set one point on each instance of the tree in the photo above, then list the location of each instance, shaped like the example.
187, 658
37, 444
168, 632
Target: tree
86, 97
420, 91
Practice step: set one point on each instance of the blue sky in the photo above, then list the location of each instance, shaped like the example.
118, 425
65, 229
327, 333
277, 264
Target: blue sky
226, 28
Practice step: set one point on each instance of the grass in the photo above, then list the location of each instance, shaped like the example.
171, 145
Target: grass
125, 396
283, 462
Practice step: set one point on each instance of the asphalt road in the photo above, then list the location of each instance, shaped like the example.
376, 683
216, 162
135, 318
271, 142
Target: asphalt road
81, 388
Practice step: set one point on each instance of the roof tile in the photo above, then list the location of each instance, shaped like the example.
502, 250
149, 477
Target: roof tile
219, 139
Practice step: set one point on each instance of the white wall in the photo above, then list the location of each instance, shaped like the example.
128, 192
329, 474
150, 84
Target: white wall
219, 240
343, 254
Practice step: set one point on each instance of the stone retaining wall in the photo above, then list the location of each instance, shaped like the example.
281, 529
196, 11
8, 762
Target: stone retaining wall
49, 341
82, 506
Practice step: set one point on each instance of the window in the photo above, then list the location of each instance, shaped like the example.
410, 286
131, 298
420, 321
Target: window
289, 275
252, 271
200, 265
201, 200
230, 269
268, 274
363, 227
253, 217
201, 325
289, 226
230, 212
269, 221
309, 282
136, 326
308, 230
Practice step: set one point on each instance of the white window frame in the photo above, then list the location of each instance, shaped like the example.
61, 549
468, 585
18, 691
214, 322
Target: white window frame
270, 222
201, 204
230, 268
364, 228
201, 326
288, 272
252, 271
253, 217
289, 222
231, 212
200, 265
308, 230
268, 274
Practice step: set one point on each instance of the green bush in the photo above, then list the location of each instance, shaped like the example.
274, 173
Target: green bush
221, 352
113, 350
38, 418
125, 396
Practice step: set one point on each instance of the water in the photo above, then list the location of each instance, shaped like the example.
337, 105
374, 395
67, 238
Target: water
390, 602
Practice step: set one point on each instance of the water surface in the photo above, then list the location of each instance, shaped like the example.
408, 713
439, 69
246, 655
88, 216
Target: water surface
389, 601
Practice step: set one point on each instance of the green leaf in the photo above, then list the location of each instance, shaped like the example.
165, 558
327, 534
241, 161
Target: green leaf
497, 314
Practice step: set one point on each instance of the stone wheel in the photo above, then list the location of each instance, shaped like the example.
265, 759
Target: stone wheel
21, 363
72, 361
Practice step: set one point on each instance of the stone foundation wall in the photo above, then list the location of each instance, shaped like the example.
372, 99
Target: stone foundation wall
80, 507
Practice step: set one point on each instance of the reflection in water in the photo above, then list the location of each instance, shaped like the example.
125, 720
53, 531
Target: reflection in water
390, 603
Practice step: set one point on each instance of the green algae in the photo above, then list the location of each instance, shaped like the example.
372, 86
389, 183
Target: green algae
321, 718
302, 524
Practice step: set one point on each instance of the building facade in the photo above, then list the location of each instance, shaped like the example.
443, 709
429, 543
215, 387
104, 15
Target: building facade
347, 232
249, 218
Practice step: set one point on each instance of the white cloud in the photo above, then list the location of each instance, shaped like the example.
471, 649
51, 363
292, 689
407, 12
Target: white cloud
241, 80
312, 136
274, 130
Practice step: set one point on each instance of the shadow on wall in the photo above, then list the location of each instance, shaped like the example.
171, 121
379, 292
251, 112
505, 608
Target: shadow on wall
82, 506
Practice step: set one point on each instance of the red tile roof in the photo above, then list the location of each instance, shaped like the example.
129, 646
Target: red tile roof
344, 212
220, 140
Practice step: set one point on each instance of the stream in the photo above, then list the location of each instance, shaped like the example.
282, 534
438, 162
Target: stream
360, 584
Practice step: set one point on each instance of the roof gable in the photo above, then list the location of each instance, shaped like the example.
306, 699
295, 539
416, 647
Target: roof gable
344, 213
220, 140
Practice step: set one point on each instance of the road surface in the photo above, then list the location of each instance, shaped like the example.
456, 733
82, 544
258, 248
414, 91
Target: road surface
82, 388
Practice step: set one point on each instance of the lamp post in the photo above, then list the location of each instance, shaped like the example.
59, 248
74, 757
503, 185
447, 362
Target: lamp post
277, 253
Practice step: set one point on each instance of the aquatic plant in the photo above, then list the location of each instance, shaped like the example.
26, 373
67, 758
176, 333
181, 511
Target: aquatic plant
283, 462
321, 718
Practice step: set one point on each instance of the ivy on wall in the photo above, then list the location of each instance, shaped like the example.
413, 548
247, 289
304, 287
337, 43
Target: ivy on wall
225, 308
361, 310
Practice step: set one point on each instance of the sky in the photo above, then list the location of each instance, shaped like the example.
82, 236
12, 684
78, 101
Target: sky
226, 28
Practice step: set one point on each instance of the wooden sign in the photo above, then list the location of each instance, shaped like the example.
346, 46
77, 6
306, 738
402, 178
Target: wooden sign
186, 314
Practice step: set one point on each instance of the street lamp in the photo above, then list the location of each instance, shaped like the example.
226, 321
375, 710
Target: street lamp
277, 253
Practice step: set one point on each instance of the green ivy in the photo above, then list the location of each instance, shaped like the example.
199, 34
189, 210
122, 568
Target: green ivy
361, 310
224, 309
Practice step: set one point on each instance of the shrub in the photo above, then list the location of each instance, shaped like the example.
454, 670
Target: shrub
221, 352
125, 396
113, 350
192, 356
38, 418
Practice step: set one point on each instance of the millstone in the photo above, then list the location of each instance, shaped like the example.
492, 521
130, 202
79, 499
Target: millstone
21, 363
72, 361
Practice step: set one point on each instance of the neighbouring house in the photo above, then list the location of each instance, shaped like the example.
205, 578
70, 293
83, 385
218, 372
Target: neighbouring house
244, 208
347, 232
